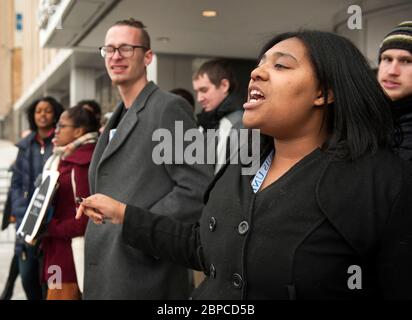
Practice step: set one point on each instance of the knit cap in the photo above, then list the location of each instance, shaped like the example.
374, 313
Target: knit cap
399, 38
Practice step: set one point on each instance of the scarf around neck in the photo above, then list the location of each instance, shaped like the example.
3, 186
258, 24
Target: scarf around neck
64, 151
211, 119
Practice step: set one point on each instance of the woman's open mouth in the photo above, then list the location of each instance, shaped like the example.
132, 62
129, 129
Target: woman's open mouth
256, 97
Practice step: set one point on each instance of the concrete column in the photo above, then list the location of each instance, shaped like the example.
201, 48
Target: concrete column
152, 70
82, 84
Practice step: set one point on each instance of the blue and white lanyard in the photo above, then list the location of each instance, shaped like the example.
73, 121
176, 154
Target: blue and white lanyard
111, 134
262, 172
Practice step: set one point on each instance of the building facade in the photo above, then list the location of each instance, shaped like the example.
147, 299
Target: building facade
6, 59
56, 53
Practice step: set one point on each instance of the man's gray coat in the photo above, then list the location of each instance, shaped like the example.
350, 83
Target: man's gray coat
124, 170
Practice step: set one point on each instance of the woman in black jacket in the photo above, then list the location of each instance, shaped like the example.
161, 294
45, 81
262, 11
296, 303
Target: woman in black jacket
34, 150
327, 216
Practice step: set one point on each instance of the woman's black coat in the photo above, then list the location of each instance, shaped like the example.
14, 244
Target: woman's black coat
363, 251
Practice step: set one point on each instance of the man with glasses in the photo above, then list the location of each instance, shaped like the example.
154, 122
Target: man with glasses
122, 167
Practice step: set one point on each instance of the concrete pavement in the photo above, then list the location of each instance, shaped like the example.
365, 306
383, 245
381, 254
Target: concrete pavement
6, 253
8, 153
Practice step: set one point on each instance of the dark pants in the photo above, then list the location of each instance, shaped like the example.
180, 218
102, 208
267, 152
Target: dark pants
11, 279
29, 269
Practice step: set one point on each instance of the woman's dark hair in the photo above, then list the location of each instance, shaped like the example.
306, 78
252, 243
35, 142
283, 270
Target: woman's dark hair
57, 109
83, 117
94, 106
359, 118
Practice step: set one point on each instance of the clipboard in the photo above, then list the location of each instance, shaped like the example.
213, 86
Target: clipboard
35, 216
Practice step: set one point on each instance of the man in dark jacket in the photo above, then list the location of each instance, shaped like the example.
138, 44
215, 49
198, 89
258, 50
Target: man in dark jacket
395, 76
215, 86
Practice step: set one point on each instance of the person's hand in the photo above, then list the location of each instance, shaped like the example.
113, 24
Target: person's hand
32, 242
12, 219
100, 208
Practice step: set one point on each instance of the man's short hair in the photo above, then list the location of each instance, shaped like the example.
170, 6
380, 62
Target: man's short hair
138, 25
217, 70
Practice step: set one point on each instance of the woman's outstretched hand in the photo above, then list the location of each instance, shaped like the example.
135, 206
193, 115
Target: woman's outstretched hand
100, 208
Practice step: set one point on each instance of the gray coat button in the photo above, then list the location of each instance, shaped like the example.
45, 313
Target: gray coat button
237, 281
243, 227
212, 224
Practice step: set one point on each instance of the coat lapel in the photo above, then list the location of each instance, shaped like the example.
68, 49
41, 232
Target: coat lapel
346, 193
100, 147
124, 128
127, 124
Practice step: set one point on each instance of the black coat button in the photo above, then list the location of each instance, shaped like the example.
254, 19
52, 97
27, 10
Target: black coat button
237, 281
212, 271
212, 224
243, 227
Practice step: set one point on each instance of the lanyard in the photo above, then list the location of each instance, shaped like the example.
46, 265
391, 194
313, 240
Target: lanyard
111, 134
262, 172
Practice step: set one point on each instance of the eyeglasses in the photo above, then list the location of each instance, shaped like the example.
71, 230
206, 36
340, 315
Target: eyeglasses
62, 126
125, 50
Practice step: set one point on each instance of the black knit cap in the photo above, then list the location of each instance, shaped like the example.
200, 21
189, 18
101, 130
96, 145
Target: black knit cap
399, 38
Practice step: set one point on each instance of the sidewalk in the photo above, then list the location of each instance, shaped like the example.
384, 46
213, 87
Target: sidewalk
8, 153
6, 253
